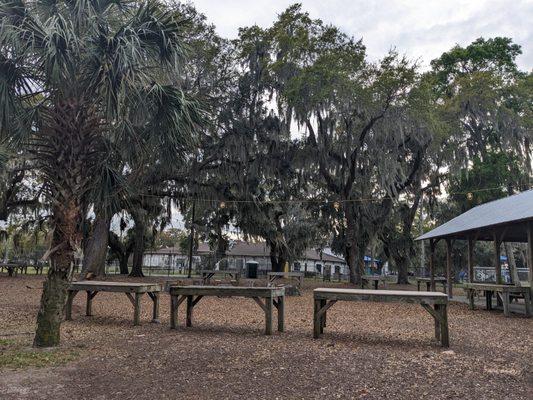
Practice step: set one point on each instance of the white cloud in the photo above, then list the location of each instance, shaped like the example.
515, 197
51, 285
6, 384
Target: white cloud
420, 29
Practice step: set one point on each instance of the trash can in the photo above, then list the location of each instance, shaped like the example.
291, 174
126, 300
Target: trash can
251, 269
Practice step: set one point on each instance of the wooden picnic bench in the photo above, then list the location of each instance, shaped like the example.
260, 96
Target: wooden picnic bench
503, 293
133, 290
375, 279
438, 280
293, 275
324, 298
13, 268
207, 274
273, 297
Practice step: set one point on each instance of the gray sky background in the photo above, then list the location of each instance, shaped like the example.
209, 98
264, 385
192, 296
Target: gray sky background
420, 29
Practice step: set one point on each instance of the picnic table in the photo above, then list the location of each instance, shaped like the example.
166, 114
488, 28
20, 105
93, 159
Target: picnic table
272, 297
375, 279
207, 274
13, 268
294, 275
505, 293
438, 279
133, 290
324, 298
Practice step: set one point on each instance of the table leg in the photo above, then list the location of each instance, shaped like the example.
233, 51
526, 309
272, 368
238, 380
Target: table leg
173, 311
281, 313
444, 334
418, 286
488, 299
527, 301
438, 308
323, 319
155, 313
269, 303
137, 309
428, 286
376, 285
189, 311
316, 321
89, 305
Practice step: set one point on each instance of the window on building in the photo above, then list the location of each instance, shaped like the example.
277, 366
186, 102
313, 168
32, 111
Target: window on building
296, 267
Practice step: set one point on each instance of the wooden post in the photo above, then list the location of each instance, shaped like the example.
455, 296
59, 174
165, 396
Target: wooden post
173, 311
449, 279
89, 305
281, 313
530, 253
68, 308
137, 309
497, 262
470, 260
155, 314
432, 263
437, 308
269, 303
444, 334
323, 317
189, 311
316, 320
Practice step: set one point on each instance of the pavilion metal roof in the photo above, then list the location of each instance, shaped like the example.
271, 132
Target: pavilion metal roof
506, 215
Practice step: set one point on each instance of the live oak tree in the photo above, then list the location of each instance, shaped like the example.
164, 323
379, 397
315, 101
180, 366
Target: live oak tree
363, 143
78, 79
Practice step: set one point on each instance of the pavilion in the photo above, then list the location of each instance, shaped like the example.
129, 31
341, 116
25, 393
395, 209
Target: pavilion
505, 220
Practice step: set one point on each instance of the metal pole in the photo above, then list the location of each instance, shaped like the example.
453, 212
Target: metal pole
191, 239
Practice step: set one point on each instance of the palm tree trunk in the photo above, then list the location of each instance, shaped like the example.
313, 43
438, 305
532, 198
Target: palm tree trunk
66, 216
95, 251
140, 226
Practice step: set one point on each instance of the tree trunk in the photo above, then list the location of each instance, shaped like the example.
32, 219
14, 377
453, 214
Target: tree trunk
66, 233
96, 249
121, 251
139, 216
355, 248
402, 265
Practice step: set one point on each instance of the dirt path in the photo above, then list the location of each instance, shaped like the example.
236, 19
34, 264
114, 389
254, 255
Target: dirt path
370, 350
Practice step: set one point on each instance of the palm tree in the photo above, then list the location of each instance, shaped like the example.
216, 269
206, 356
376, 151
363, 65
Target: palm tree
79, 81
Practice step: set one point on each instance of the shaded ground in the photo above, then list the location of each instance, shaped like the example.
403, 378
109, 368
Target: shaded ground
369, 350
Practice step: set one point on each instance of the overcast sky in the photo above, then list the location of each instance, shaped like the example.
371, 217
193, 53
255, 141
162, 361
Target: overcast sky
421, 29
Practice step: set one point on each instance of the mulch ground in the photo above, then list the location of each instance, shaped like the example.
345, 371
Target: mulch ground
369, 350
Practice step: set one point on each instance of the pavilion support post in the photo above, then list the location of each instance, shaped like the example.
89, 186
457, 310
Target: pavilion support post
432, 264
470, 260
497, 262
530, 254
449, 280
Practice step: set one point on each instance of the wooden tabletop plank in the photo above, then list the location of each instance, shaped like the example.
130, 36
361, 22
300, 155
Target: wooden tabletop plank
115, 286
494, 286
381, 292
242, 291
427, 279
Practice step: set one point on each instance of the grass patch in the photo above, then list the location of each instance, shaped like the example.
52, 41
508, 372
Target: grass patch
16, 355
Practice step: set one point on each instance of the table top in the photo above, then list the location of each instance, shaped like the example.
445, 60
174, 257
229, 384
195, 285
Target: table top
227, 291
110, 286
291, 273
403, 293
428, 279
374, 277
217, 271
479, 285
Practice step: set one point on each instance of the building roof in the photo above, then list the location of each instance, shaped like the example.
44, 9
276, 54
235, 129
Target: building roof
246, 249
507, 214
